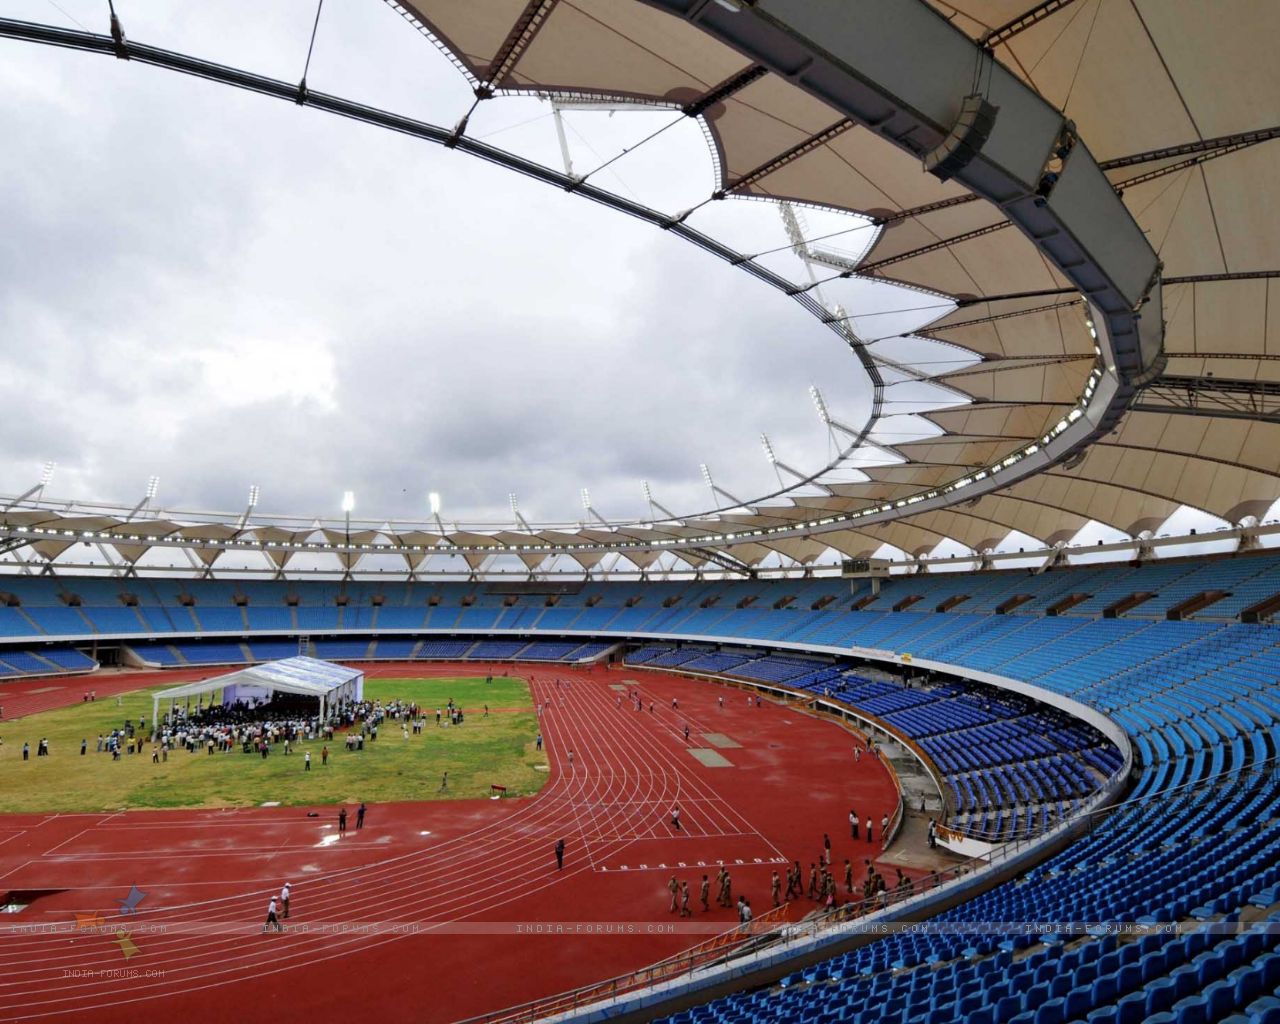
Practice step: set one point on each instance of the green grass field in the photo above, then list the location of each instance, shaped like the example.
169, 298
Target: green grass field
498, 749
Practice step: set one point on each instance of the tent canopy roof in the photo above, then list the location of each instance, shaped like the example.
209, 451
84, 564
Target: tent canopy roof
308, 676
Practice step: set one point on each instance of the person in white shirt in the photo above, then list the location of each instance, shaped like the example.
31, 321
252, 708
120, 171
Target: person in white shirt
272, 920
284, 900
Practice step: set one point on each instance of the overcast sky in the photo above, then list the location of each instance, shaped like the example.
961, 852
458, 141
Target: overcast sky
225, 290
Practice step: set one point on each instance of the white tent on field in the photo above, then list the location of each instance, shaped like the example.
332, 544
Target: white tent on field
324, 680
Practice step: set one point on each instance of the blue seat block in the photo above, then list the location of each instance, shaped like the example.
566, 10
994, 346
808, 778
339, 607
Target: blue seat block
1192, 1010
1051, 1011
1079, 1002
1159, 995
1221, 998
1105, 990
1131, 1009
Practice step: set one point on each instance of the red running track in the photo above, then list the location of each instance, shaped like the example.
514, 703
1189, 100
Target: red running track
437, 910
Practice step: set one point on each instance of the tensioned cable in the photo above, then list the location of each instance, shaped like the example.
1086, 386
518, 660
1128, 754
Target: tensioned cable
312, 45
587, 142
890, 312
511, 127
815, 238
629, 149
980, 320
67, 14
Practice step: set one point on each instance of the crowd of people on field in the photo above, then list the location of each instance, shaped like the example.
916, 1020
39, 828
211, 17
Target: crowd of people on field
257, 727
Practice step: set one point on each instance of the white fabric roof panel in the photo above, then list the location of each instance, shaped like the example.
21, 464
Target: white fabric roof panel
301, 675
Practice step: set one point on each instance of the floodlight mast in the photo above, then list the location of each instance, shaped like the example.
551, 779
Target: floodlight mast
253, 503
46, 474
560, 136
653, 502
515, 512
824, 414
348, 504
433, 501
153, 486
591, 512
776, 463
716, 489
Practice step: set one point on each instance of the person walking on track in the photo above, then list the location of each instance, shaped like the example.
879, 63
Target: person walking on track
272, 920
704, 893
675, 819
360, 817
673, 887
342, 821
559, 854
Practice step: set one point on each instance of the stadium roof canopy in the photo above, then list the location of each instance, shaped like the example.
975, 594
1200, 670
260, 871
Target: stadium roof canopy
307, 677
1100, 230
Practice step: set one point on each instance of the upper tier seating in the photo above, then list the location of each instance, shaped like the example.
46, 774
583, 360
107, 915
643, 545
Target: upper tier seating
42, 606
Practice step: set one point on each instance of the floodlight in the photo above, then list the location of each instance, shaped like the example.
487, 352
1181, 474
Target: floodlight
348, 501
253, 495
706, 474
434, 499
153, 485
823, 413
648, 494
515, 505
586, 499
768, 450
46, 473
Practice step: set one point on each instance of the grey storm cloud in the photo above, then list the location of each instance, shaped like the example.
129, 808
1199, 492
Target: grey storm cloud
226, 290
